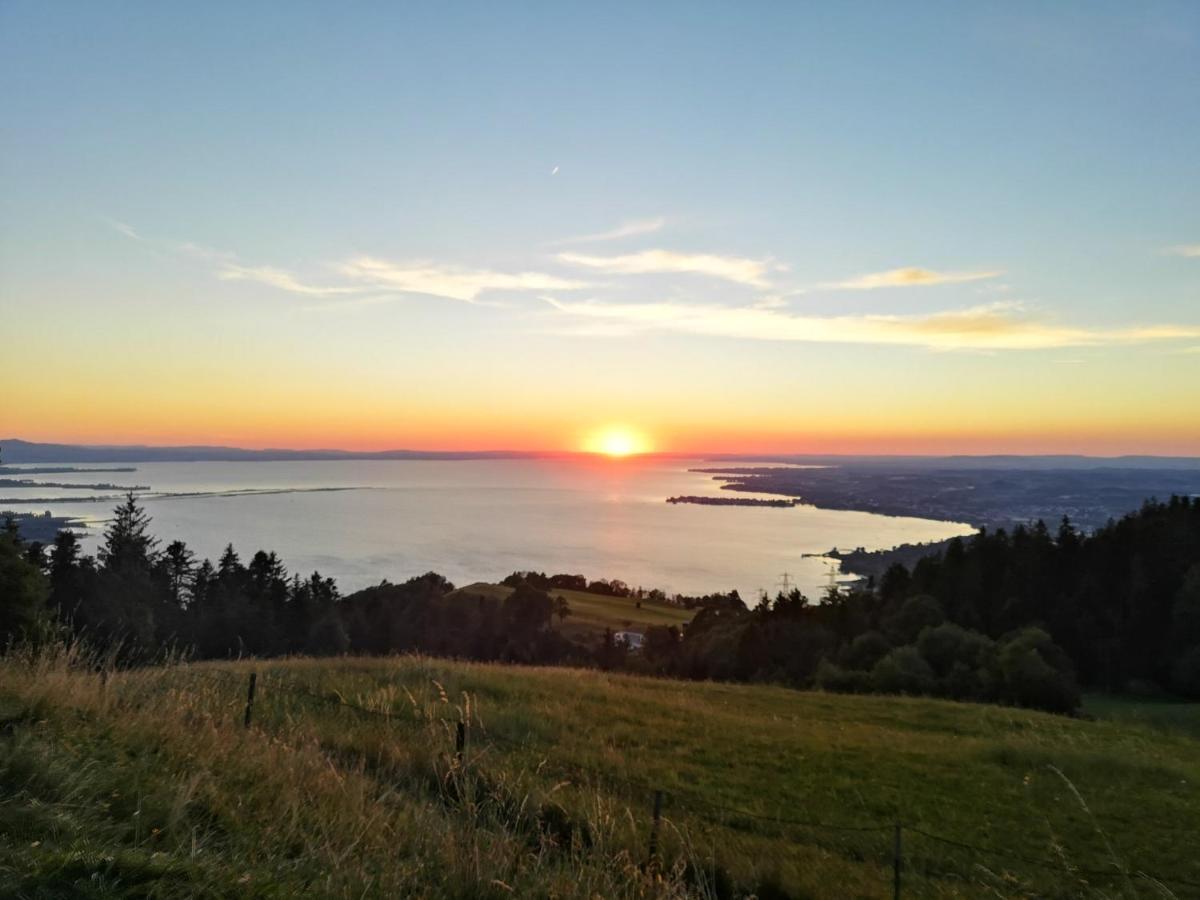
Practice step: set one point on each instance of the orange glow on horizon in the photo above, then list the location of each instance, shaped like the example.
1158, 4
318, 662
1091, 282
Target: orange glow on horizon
617, 441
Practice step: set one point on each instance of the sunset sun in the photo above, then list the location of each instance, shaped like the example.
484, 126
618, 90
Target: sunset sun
617, 441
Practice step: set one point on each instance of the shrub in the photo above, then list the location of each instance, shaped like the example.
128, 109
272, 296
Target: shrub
1185, 674
865, 650
947, 644
1035, 672
917, 613
837, 680
903, 671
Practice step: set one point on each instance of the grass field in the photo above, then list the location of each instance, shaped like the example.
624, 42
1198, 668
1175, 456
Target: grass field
592, 613
346, 785
1171, 716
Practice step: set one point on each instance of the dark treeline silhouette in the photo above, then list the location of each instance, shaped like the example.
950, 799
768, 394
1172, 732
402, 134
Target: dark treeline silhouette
1025, 617
142, 599
1022, 617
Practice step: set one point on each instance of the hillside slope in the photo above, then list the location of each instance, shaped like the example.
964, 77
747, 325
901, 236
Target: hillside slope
346, 784
592, 613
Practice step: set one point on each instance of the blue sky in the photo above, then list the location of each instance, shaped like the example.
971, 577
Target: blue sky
897, 200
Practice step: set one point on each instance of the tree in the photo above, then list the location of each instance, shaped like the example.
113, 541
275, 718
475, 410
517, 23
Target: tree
177, 564
562, 609
917, 613
865, 651
1037, 673
1186, 673
903, 671
23, 594
127, 540
837, 680
944, 645
71, 574
1185, 610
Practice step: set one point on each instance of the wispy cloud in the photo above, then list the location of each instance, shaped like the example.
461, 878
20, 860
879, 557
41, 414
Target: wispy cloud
448, 281
127, 230
752, 272
910, 276
1191, 250
631, 228
367, 278
997, 326
280, 278
187, 248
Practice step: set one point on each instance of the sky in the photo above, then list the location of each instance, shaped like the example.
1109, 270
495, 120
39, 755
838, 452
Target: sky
752, 227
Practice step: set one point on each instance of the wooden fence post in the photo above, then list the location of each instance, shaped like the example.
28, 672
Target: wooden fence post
896, 857
658, 799
250, 697
460, 742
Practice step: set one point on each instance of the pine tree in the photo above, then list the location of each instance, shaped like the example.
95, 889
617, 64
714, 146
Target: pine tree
128, 544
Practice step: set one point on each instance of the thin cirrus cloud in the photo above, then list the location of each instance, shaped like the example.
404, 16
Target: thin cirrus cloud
992, 327
1189, 250
909, 276
751, 272
185, 248
367, 274
280, 278
631, 228
448, 281
369, 279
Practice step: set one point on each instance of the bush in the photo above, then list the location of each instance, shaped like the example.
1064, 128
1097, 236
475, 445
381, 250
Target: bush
1145, 689
963, 682
1035, 672
903, 671
917, 613
865, 650
1185, 674
947, 644
842, 681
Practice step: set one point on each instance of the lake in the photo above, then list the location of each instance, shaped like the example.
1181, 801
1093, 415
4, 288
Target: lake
478, 520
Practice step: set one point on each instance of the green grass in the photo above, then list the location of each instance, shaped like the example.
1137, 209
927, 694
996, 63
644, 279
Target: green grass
148, 786
1162, 714
592, 613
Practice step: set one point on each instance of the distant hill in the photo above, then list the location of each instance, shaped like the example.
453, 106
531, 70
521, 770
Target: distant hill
1034, 462
592, 613
18, 451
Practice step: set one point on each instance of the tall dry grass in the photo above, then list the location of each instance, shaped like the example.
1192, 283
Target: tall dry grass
347, 784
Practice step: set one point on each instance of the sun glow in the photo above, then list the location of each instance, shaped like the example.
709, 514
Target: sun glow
617, 441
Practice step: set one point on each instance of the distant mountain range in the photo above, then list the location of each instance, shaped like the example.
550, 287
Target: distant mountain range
18, 451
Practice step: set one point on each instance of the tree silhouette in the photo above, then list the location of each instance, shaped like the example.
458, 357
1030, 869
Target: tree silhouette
127, 540
562, 609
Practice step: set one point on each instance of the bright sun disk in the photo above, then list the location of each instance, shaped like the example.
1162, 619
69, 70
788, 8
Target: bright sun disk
617, 442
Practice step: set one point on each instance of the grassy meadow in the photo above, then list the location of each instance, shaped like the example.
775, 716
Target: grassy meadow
146, 784
592, 613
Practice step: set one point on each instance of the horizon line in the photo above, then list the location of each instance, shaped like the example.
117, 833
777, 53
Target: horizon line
529, 454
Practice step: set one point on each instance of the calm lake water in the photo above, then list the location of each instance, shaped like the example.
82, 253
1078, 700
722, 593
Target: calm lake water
476, 520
